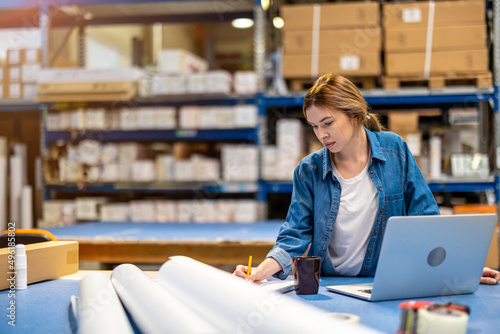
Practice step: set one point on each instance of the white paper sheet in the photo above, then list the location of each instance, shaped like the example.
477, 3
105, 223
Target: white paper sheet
153, 308
99, 309
238, 306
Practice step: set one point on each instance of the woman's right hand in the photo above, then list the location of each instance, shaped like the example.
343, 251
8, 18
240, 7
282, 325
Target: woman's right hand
267, 268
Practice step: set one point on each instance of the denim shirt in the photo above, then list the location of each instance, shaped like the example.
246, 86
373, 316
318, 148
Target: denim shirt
311, 216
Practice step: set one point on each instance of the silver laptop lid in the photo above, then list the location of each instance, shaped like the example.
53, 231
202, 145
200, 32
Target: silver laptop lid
423, 256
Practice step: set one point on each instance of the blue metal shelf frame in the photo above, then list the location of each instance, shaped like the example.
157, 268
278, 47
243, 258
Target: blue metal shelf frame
156, 187
397, 99
246, 134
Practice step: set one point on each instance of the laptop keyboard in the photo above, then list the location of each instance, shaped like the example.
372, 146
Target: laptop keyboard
366, 290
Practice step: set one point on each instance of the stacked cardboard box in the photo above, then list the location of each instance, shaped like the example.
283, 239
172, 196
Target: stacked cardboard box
18, 77
435, 38
405, 124
80, 84
343, 38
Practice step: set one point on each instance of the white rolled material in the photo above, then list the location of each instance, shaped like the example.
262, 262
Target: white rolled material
3, 193
238, 306
27, 207
16, 186
21, 150
154, 309
100, 310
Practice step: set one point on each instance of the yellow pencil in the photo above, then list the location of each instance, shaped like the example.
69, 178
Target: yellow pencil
249, 265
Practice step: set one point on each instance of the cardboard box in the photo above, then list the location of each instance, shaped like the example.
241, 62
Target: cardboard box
364, 64
45, 260
12, 74
342, 41
13, 57
31, 56
446, 13
245, 82
14, 91
331, 15
177, 61
443, 38
403, 121
442, 62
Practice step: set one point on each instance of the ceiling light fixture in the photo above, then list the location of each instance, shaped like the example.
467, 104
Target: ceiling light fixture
242, 23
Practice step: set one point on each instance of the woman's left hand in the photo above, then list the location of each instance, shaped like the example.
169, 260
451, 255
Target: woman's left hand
490, 276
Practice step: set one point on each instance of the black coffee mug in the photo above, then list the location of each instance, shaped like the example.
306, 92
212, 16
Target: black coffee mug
306, 272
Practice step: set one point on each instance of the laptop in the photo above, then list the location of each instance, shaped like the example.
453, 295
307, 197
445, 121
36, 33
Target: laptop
428, 256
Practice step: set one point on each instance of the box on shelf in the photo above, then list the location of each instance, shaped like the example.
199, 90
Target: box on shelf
12, 74
363, 64
184, 171
165, 118
219, 82
88, 208
330, 15
196, 83
115, 212
80, 84
403, 121
443, 39
177, 61
246, 211
13, 57
45, 260
446, 13
189, 117
29, 73
245, 82
166, 211
443, 62
239, 162
165, 167
334, 41
143, 171
245, 116
143, 211
162, 84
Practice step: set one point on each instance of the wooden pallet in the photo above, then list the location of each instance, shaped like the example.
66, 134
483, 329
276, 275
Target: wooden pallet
296, 85
439, 81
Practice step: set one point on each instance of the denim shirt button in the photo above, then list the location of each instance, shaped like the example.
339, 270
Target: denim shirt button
372, 171
379, 188
370, 251
376, 231
365, 269
382, 210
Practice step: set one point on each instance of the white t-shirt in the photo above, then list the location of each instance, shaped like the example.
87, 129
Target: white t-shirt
358, 208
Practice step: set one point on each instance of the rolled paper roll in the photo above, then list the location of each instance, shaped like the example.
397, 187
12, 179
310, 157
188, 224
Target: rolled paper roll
153, 308
100, 310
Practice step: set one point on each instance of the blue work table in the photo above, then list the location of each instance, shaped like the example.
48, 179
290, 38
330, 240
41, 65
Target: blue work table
43, 307
155, 242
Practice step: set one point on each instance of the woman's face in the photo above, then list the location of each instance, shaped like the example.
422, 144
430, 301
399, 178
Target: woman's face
333, 128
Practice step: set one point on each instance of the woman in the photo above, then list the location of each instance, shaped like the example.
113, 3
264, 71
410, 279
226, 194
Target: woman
344, 194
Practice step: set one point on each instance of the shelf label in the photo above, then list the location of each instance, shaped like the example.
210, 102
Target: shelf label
186, 133
349, 63
411, 15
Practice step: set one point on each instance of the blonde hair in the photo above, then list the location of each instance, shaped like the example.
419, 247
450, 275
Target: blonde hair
333, 91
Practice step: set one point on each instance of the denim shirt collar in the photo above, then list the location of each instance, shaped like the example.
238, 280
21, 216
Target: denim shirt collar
376, 153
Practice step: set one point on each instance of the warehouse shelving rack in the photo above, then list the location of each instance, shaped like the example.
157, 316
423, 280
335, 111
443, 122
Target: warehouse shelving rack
115, 11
